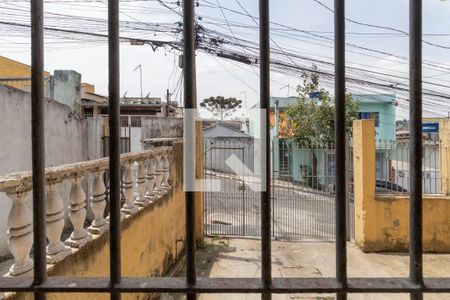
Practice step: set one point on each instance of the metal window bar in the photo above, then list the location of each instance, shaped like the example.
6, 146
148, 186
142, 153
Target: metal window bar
38, 144
340, 138
114, 148
415, 140
264, 86
416, 285
190, 103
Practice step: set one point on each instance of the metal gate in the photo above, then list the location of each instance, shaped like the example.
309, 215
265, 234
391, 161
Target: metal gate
234, 210
302, 193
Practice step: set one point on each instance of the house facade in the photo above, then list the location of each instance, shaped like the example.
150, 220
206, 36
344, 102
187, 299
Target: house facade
221, 142
380, 107
301, 163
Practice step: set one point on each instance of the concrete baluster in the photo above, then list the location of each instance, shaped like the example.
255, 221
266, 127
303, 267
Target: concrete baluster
166, 171
150, 176
54, 217
159, 176
98, 204
141, 200
79, 236
127, 188
20, 234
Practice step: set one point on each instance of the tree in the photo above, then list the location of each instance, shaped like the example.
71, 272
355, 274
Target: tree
311, 117
220, 106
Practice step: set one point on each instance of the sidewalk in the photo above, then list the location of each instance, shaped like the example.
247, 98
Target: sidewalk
241, 258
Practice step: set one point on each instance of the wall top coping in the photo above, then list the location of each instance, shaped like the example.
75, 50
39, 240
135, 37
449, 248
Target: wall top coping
161, 140
396, 197
22, 181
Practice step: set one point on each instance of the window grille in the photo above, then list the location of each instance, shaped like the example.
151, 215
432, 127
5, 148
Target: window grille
415, 285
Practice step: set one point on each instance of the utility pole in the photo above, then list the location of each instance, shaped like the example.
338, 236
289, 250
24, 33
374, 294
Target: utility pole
245, 98
140, 74
288, 86
245, 102
167, 104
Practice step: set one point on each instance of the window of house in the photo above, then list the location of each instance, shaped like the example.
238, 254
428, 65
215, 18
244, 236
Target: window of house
135, 121
88, 112
123, 121
370, 115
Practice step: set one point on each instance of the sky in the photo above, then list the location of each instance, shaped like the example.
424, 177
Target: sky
216, 76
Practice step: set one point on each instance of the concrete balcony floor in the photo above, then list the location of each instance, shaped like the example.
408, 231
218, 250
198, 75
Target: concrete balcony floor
238, 257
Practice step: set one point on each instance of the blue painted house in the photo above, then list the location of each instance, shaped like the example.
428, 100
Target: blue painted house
382, 108
290, 161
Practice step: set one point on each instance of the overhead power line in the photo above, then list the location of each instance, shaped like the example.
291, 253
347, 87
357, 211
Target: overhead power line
379, 26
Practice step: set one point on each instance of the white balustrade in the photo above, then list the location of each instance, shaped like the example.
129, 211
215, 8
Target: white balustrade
98, 204
127, 189
54, 217
151, 183
20, 234
79, 236
141, 200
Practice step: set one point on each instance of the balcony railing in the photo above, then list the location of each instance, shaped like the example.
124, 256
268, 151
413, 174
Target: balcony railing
145, 178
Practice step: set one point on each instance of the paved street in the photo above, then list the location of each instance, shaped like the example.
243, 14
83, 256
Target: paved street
297, 214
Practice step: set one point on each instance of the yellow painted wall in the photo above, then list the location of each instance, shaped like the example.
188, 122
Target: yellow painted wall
392, 224
444, 137
364, 176
12, 68
87, 87
382, 222
150, 239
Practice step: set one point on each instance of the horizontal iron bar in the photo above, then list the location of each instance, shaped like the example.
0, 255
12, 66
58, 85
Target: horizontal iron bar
9, 284
225, 285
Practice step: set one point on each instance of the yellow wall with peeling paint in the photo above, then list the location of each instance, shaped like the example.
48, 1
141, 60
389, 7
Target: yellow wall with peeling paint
382, 221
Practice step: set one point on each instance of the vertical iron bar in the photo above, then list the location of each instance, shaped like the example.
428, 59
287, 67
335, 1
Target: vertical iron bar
190, 103
415, 139
341, 228
264, 35
38, 143
114, 145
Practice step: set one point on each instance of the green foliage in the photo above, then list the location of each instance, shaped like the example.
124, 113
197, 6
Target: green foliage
220, 106
311, 121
